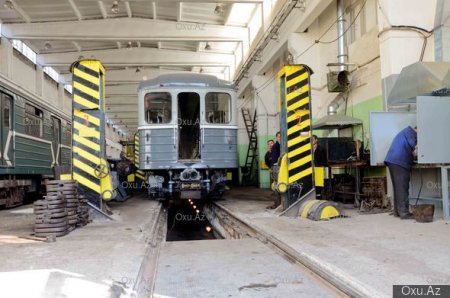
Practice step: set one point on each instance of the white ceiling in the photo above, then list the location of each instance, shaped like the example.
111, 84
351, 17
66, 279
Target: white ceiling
162, 36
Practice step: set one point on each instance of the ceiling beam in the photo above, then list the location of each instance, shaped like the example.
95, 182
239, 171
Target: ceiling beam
125, 29
179, 11
128, 9
194, 1
131, 76
77, 46
122, 115
154, 10
102, 9
21, 12
140, 57
228, 14
119, 109
75, 10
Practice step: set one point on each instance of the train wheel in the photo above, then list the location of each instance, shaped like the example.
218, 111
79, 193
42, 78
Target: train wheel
15, 197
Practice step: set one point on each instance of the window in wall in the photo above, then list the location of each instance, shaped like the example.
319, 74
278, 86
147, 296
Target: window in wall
158, 107
33, 121
362, 23
24, 50
218, 107
51, 72
68, 88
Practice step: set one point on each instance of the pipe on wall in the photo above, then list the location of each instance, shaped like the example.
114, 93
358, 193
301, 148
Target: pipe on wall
342, 42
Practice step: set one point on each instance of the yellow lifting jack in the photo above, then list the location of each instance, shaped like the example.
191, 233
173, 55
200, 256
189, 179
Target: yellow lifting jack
89, 166
296, 177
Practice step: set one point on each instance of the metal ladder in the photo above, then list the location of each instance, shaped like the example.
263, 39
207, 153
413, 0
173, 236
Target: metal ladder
248, 175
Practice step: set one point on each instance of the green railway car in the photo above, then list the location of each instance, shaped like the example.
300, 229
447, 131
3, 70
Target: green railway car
33, 140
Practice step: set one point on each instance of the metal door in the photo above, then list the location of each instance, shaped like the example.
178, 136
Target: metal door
5, 131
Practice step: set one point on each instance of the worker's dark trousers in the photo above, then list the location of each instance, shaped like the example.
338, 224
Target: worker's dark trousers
400, 180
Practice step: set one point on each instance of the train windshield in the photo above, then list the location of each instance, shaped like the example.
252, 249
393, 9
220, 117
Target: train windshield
158, 107
218, 107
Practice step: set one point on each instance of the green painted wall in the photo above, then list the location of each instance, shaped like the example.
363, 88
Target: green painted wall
264, 174
362, 111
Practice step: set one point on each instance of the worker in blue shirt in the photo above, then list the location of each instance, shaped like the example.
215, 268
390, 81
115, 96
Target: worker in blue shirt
276, 149
399, 160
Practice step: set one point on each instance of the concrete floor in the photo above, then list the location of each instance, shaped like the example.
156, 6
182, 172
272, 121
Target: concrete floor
231, 268
370, 251
97, 260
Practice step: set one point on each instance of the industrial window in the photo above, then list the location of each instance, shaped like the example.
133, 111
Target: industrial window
158, 107
24, 50
68, 88
33, 121
363, 19
218, 107
51, 73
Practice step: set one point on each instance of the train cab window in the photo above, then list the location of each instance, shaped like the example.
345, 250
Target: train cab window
218, 107
33, 121
158, 107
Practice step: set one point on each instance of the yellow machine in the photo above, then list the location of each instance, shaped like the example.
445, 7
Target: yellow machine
89, 165
297, 176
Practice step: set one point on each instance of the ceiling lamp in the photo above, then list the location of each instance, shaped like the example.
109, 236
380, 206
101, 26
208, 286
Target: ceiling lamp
8, 4
115, 7
207, 47
201, 70
129, 45
47, 45
138, 69
219, 9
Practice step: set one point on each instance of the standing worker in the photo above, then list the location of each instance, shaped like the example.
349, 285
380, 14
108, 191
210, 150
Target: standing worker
276, 150
268, 158
399, 160
320, 155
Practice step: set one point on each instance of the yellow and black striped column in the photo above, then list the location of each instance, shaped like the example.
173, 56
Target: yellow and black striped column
90, 168
139, 173
295, 123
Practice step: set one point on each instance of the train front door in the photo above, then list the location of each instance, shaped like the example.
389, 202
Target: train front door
5, 131
188, 126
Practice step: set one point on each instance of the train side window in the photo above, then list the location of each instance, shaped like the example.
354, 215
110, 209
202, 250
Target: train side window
218, 107
6, 111
68, 135
33, 121
158, 107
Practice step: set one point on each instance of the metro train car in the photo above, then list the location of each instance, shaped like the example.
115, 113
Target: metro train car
187, 135
33, 139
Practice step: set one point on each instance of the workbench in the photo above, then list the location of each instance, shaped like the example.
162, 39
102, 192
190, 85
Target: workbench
354, 165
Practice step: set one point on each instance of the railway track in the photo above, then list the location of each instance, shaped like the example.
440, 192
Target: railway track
244, 249
242, 228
